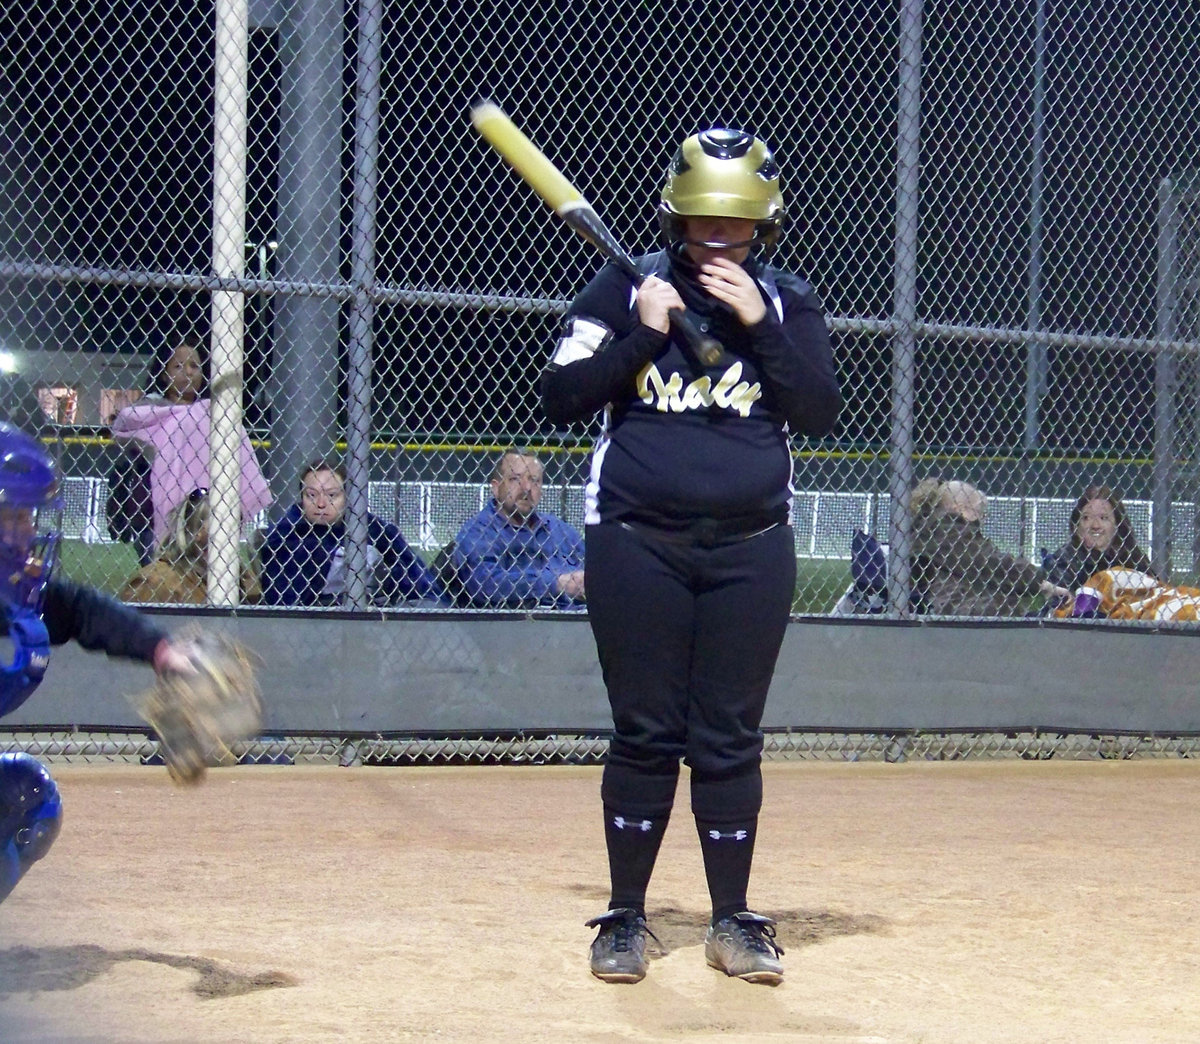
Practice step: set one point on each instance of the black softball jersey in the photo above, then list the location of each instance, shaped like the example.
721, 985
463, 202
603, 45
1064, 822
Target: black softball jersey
681, 443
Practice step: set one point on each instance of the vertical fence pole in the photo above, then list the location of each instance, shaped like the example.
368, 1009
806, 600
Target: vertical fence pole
228, 307
1164, 381
362, 308
908, 169
304, 355
1035, 351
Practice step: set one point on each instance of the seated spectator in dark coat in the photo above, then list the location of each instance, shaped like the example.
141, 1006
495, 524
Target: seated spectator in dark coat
510, 556
1101, 538
958, 570
303, 555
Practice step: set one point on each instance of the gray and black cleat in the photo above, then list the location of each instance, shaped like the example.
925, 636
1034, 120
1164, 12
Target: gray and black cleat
743, 945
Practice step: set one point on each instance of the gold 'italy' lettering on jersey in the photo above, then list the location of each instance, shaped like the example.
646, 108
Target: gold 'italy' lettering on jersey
730, 392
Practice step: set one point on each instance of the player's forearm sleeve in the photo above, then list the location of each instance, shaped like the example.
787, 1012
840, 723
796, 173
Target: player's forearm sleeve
796, 360
99, 622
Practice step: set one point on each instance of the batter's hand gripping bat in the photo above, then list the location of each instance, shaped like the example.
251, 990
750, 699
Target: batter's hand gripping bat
569, 204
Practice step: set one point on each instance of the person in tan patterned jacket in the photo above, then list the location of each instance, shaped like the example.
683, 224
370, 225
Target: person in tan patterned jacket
957, 569
178, 573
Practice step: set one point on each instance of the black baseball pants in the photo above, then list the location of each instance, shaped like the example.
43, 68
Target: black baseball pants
687, 638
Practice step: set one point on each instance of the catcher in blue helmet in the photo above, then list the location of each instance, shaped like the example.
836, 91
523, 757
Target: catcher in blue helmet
41, 612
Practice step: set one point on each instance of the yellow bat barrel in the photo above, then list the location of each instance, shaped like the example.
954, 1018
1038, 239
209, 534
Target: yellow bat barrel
525, 158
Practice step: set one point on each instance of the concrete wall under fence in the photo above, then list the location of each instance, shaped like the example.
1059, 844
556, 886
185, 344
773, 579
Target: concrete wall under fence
454, 673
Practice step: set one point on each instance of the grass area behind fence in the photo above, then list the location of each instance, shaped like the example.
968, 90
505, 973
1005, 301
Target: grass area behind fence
819, 582
104, 566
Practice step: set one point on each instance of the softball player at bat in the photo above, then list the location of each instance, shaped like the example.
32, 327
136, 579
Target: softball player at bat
690, 557
40, 612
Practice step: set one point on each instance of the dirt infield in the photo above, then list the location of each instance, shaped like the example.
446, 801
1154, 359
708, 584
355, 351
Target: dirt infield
956, 902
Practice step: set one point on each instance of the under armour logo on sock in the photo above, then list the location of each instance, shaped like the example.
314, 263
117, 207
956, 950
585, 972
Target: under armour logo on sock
733, 835
620, 822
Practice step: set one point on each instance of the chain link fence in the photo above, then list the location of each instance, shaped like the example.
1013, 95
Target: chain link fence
235, 239
534, 748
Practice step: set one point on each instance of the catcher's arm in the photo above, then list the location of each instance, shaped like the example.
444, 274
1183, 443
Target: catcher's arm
205, 697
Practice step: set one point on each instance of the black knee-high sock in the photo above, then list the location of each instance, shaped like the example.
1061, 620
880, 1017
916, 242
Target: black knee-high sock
726, 811
728, 850
633, 843
637, 806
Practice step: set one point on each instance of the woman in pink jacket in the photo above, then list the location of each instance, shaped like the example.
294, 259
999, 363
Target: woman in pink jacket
171, 429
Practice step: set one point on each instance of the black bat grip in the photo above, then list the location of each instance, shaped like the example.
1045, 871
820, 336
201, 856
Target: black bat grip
708, 349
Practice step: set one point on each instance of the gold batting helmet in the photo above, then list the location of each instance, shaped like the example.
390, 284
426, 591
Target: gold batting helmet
723, 173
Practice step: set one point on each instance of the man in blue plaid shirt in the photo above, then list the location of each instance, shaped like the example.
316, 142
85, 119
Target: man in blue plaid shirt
510, 556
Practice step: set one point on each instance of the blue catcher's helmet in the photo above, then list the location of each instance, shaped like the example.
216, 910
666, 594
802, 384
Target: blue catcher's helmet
30, 525
30, 522
30, 519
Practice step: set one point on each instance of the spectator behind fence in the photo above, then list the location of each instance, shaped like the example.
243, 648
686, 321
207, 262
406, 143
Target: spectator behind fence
957, 569
1101, 538
1130, 594
167, 432
179, 570
303, 555
513, 557
19, 403
176, 377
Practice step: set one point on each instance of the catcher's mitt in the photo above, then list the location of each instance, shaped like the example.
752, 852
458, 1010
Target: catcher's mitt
197, 714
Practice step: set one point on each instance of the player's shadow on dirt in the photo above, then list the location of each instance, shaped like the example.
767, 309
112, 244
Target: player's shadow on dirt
794, 928
676, 928
28, 969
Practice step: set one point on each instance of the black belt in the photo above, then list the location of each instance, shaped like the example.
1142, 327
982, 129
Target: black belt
706, 532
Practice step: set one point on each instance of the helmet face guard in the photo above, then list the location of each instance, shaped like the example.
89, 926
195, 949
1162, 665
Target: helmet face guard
30, 520
29, 545
723, 173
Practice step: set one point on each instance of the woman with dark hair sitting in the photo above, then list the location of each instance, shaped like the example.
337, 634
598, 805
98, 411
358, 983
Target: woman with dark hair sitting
176, 377
303, 554
1101, 538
